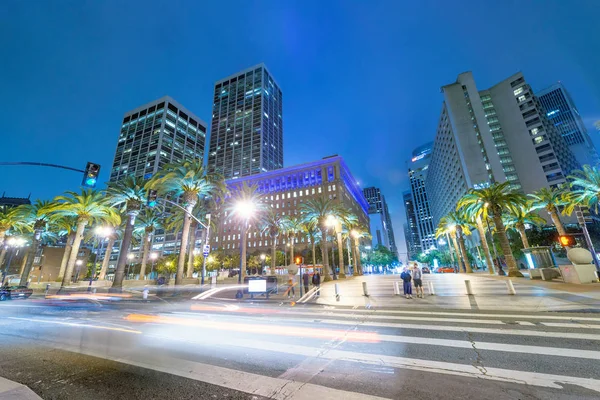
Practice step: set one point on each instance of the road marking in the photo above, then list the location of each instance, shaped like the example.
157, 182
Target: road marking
573, 324
74, 324
516, 316
258, 385
465, 370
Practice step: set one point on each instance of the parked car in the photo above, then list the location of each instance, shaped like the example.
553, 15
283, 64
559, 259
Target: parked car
425, 270
14, 292
444, 270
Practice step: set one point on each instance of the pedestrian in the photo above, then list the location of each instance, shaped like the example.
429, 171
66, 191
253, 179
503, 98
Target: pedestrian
305, 280
291, 286
316, 281
406, 278
417, 276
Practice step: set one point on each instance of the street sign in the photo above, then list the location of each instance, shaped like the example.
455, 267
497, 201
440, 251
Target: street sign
206, 250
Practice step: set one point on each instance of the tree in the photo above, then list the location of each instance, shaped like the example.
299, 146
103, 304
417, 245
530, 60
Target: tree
65, 226
147, 223
8, 221
272, 224
318, 210
117, 233
499, 199
35, 217
311, 230
460, 226
292, 226
585, 189
129, 194
476, 216
550, 199
357, 233
190, 181
87, 206
447, 229
518, 217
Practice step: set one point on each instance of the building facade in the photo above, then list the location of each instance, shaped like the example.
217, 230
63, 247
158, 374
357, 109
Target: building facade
417, 173
382, 231
411, 231
560, 109
151, 136
494, 135
14, 201
285, 190
247, 124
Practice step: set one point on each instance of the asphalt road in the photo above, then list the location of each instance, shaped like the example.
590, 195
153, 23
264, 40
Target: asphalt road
226, 350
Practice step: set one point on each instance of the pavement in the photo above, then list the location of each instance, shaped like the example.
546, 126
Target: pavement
227, 349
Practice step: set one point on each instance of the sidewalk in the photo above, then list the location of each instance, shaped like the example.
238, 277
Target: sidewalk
490, 293
10, 390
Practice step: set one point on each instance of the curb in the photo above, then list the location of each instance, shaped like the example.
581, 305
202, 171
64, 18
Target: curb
10, 390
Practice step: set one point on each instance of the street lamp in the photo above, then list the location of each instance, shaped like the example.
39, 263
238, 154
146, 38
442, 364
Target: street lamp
285, 254
13, 243
487, 221
104, 232
245, 209
79, 263
130, 257
331, 222
153, 257
262, 259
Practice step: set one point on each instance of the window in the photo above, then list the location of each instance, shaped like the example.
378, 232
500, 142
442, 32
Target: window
518, 91
538, 139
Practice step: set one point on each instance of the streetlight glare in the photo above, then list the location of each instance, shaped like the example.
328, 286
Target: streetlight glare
153, 256
103, 231
131, 256
331, 221
263, 256
245, 208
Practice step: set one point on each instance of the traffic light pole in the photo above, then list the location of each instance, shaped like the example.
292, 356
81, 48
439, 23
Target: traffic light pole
586, 234
37, 164
203, 254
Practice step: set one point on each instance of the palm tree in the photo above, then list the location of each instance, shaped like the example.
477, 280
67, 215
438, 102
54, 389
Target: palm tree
460, 226
245, 205
550, 199
359, 232
518, 217
36, 216
273, 225
117, 233
447, 229
476, 216
350, 222
148, 221
292, 227
65, 226
87, 206
498, 198
585, 189
311, 229
191, 181
318, 210
8, 220
129, 194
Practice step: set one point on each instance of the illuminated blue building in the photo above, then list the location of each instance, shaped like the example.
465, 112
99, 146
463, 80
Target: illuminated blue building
285, 189
417, 173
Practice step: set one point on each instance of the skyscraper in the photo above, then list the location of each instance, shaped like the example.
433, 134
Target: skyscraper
381, 228
494, 135
417, 173
152, 135
562, 112
247, 124
411, 231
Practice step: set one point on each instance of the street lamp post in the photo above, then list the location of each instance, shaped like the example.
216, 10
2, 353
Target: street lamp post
79, 263
262, 259
205, 244
285, 254
130, 257
246, 210
14, 244
331, 222
153, 257
104, 232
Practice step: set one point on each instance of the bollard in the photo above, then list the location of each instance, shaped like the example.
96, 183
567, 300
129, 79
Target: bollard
365, 290
337, 292
431, 290
469, 288
510, 287
396, 288
145, 293
47, 288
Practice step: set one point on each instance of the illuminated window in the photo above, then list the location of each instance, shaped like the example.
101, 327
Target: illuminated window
319, 189
518, 91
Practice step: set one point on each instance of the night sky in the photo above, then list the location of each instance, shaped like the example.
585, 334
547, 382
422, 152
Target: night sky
359, 78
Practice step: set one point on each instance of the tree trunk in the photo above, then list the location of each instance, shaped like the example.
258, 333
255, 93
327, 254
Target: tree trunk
459, 263
187, 221
243, 249
4, 248
106, 261
523, 234
463, 249
341, 254
314, 255
146, 250
293, 261
484, 244
191, 248
556, 221
65, 257
325, 256
505, 245
35, 245
355, 250
273, 255
81, 223
23, 263
123, 252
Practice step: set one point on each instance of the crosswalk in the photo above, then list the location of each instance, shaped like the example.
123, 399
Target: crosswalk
322, 352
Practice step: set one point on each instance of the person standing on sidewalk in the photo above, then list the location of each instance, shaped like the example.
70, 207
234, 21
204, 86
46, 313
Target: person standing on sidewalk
316, 281
406, 278
305, 280
291, 284
417, 276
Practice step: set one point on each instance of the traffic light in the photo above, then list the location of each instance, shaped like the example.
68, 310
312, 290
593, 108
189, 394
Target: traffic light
90, 176
152, 197
567, 240
299, 260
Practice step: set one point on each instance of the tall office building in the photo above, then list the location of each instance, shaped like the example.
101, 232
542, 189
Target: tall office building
152, 135
411, 231
494, 135
247, 124
562, 112
417, 173
380, 226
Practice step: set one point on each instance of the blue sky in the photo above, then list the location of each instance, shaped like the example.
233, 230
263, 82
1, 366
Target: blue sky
359, 78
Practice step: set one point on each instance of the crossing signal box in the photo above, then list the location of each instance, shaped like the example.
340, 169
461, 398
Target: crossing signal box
152, 197
567, 240
299, 260
90, 176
